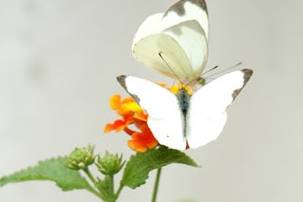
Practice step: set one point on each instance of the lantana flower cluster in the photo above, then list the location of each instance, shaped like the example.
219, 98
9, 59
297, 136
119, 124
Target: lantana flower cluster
133, 120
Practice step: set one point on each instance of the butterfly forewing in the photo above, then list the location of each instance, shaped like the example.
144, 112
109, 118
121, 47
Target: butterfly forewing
186, 10
207, 112
164, 115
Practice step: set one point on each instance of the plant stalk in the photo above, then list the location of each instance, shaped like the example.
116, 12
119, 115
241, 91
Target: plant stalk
90, 176
156, 186
93, 180
119, 191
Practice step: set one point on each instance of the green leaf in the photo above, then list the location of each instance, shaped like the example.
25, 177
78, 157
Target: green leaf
50, 170
138, 167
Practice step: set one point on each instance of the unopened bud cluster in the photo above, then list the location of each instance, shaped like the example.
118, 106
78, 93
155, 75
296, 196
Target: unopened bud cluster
109, 164
81, 158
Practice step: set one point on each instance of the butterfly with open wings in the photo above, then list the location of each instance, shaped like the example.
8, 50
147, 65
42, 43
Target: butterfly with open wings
175, 43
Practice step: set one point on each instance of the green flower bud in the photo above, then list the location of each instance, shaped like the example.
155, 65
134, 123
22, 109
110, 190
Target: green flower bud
81, 158
109, 164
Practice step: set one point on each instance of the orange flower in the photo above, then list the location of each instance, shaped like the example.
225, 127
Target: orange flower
142, 141
131, 114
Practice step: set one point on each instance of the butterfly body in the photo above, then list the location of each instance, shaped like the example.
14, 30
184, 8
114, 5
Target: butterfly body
183, 98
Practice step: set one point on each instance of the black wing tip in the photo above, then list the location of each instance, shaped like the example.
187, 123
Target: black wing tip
178, 7
247, 74
121, 77
121, 80
204, 5
200, 3
248, 71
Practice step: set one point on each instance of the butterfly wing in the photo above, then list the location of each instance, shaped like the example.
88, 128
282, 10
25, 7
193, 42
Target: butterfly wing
207, 112
180, 35
164, 115
186, 10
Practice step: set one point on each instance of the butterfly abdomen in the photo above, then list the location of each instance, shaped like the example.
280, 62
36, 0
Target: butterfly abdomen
184, 101
183, 98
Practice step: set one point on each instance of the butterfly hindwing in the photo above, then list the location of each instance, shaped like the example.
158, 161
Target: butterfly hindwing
164, 115
207, 111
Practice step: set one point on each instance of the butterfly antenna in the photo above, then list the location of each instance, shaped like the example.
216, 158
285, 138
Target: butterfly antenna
198, 80
172, 71
210, 70
224, 70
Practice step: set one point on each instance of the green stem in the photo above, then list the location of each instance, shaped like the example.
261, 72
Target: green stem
93, 191
119, 191
94, 181
111, 177
156, 186
90, 176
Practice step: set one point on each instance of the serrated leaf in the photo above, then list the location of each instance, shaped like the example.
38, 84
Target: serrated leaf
50, 170
138, 167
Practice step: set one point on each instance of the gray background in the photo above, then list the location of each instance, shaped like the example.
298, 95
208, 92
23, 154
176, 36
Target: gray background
58, 62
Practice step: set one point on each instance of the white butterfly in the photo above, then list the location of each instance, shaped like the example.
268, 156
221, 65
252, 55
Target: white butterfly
182, 120
175, 43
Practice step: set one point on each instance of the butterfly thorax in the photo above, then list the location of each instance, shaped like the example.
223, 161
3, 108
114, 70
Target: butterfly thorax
183, 97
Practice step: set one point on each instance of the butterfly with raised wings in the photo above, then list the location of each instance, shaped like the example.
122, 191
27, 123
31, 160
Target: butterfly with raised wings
175, 43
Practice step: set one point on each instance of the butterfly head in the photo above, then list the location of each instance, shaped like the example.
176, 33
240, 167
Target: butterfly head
181, 88
198, 81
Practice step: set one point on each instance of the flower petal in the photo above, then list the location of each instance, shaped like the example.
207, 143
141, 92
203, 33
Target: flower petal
140, 142
115, 102
132, 114
136, 147
141, 116
117, 126
129, 107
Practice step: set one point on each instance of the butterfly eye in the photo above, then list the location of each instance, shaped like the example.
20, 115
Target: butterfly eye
201, 81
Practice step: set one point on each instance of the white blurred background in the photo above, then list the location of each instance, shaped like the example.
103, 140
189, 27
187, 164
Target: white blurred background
58, 63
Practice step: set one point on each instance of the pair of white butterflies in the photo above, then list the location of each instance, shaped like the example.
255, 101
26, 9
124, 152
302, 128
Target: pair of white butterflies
175, 44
